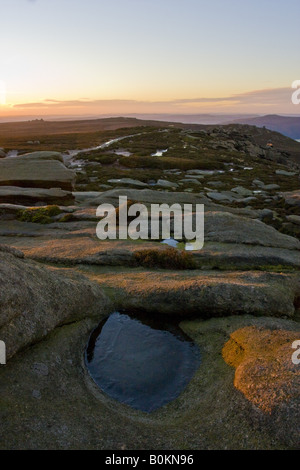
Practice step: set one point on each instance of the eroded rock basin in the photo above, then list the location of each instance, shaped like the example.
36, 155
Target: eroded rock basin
143, 364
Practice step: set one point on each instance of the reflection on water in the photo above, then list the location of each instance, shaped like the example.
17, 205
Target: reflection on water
123, 153
73, 153
12, 153
142, 363
171, 242
159, 153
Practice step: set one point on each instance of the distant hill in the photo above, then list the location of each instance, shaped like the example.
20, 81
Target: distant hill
286, 125
65, 135
207, 119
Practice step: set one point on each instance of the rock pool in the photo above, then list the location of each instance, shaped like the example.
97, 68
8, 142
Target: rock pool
145, 364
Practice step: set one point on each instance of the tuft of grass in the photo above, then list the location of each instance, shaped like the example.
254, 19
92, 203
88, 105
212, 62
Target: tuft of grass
40, 215
169, 258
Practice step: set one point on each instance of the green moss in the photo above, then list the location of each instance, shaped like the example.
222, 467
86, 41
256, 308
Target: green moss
67, 218
40, 215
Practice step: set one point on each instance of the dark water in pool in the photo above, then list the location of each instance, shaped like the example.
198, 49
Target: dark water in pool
143, 364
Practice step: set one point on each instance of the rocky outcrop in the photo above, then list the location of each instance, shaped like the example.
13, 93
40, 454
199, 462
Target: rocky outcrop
34, 300
242, 290
47, 391
166, 184
292, 198
231, 242
34, 172
59, 246
224, 227
266, 375
128, 182
203, 294
294, 219
32, 196
232, 256
285, 173
149, 196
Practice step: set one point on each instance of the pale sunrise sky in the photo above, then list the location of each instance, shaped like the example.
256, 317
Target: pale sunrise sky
130, 56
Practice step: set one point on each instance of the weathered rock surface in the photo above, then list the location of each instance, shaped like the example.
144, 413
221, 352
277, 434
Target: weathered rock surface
267, 187
201, 172
11, 250
242, 191
215, 255
190, 181
149, 196
31, 196
231, 242
81, 247
47, 392
35, 299
223, 196
10, 209
292, 198
202, 293
129, 182
33, 172
192, 177
294, 219
166, 184
224, 227
271, 187
267, 377
78, 250
285, 173
85, 196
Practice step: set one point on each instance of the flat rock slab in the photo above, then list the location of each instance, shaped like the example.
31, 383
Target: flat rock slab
11, 208
292, 198
242, 191
42, 243
30, 196
222, 227
16, 230
129, 182
224, 196
231, 228
32, 172
200, 293
166, 184
215, 255
295, 219
285, 173
79, 249
149, 196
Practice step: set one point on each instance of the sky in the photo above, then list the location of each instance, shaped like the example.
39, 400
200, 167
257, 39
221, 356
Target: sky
80, 57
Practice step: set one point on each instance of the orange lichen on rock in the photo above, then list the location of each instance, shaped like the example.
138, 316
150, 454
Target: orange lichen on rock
265, 373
